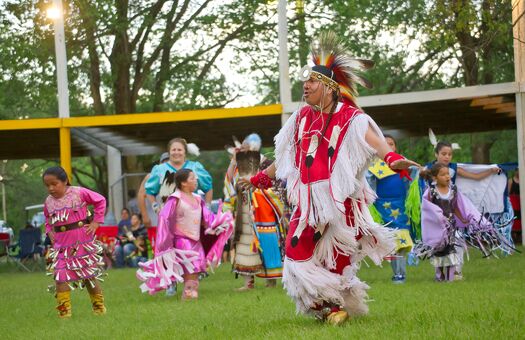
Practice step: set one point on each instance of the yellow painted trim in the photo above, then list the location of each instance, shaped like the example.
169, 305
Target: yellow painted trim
65, 150
27, 124
141, 118
169, 117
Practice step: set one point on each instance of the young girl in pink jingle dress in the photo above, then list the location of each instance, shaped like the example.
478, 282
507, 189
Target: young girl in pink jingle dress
189, 237
75, 259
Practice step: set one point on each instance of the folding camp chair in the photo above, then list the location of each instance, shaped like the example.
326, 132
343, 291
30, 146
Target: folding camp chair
30, 251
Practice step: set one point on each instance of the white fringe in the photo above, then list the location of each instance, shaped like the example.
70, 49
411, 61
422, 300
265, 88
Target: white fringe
376, 241
285, 148
337, 235
322, 207
168, 267
347, 178
292, 183
353, 158
308, 283
355, 297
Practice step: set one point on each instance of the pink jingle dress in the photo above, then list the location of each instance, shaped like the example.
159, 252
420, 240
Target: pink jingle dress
75, 253
187, 241
188, 231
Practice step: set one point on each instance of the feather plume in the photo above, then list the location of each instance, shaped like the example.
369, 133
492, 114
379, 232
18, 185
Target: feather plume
432, 137
193, 149
230, 149
252, 142
236, 142
330, 52
434, 140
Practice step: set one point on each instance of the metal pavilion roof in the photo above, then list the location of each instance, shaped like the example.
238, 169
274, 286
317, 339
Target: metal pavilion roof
456, 110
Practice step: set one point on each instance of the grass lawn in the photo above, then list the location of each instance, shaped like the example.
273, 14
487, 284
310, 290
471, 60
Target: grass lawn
489, 304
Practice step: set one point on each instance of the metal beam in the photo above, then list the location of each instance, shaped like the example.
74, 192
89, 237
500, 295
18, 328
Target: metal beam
430, 96
27, 124
61, 60
115, 189
65, 150
170, 117
90, 139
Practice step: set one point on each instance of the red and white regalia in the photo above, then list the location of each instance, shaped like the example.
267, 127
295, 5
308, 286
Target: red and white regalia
324, 162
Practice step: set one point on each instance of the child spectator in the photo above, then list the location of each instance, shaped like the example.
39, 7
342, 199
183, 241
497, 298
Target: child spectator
138, 236
123, 248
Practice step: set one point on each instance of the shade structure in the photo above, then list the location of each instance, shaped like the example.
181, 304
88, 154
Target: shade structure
457, 110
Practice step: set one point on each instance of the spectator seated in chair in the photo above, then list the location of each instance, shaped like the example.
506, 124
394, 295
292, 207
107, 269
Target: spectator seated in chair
133, 246
29, 248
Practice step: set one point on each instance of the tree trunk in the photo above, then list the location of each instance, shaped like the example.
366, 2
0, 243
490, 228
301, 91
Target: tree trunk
301, 27
90, 24
481, 152
121, 60
468, 46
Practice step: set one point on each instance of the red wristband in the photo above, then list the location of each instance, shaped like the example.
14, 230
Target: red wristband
261, 180
390, 158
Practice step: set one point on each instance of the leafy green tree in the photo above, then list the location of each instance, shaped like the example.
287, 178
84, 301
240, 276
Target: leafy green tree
418, 45
159, 55
124, 57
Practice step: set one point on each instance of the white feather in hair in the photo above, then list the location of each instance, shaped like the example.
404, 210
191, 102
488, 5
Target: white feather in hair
193, 149
434, 140
432, 137
236, 142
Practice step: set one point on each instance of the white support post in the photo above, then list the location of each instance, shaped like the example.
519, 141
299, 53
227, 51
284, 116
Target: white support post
518, 21
61, 60
115, 191
285, 92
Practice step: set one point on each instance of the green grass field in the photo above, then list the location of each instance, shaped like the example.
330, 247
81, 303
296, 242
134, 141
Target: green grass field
489, 304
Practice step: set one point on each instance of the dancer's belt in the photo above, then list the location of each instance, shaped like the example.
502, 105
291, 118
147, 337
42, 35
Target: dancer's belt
71, 226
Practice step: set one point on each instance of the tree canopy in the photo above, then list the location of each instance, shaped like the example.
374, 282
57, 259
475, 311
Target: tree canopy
159, 55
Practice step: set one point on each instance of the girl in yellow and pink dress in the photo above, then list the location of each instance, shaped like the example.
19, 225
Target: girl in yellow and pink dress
75, 259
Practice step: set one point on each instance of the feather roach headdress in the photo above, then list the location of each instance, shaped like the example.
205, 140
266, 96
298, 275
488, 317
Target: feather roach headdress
334, 66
